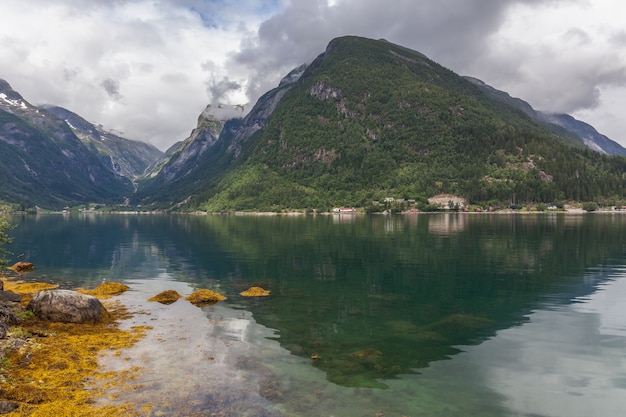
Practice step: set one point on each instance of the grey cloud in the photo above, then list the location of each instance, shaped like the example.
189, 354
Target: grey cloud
175, 78
70, 74
451, 32
584, 90
112, 88
618, 39
566, 84
577, 35
219, 89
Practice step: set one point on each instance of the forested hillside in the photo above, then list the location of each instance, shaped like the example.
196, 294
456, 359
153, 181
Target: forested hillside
369, 119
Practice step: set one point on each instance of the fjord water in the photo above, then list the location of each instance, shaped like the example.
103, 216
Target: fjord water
409, 315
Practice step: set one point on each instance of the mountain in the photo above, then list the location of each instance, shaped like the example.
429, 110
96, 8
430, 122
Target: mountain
42, 161
182, 157
124, 157
560, 123
194, 165
587, 133
369, 119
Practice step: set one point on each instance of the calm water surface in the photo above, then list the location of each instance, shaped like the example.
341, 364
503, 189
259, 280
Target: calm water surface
420, 315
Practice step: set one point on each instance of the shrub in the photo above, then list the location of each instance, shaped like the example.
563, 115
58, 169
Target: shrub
590, 206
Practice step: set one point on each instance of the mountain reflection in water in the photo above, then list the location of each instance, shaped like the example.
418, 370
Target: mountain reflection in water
363, 304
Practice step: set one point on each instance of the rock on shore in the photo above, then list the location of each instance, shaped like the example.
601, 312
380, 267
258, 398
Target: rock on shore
66, 306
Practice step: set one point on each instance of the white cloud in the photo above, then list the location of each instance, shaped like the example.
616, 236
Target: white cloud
133, 66
565, 57
149, 67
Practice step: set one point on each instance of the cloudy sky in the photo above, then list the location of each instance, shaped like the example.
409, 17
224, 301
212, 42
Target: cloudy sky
147, 68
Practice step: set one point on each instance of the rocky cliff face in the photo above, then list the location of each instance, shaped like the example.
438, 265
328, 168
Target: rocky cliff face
184, 156
180, 160
124, 157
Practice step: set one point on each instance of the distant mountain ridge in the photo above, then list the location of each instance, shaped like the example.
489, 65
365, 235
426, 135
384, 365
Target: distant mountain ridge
582, 131
125, 157
44, 163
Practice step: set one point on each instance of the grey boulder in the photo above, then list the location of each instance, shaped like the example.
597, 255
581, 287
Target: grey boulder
66, 306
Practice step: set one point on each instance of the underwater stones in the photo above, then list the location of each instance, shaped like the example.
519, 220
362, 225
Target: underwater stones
166, 297
255, 292
367, 354
66, 306
204, 297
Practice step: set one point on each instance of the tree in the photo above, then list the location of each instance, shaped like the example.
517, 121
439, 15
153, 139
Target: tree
590, 206
4, 239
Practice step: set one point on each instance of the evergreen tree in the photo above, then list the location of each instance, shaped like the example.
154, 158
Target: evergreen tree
4, 239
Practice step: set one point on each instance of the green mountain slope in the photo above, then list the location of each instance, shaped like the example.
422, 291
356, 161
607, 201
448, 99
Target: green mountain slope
43, 163
369, 120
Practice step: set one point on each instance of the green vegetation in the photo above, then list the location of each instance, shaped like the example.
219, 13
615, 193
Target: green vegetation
590, 206
370, 120
4, 240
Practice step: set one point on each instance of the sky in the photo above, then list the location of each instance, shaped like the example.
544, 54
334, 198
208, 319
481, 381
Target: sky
146, 69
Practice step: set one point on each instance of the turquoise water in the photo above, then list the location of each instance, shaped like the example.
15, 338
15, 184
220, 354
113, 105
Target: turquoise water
414, 315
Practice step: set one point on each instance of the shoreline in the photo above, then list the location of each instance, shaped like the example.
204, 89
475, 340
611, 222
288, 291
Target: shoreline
51, 368
297, 213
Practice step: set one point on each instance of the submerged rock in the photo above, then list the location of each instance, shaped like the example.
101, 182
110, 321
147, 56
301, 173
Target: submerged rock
66, 306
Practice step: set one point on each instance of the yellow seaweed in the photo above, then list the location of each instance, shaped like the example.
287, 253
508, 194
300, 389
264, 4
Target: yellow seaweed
255, 292
53, 373
204, 297
27, 289
166, 297
106, 290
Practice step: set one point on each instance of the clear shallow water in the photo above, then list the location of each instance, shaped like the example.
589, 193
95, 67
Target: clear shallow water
424, 315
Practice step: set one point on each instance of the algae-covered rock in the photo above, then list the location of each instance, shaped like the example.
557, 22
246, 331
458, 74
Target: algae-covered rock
22, 267
107, 289
166, 297
255, 292
66, 306
204, 297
